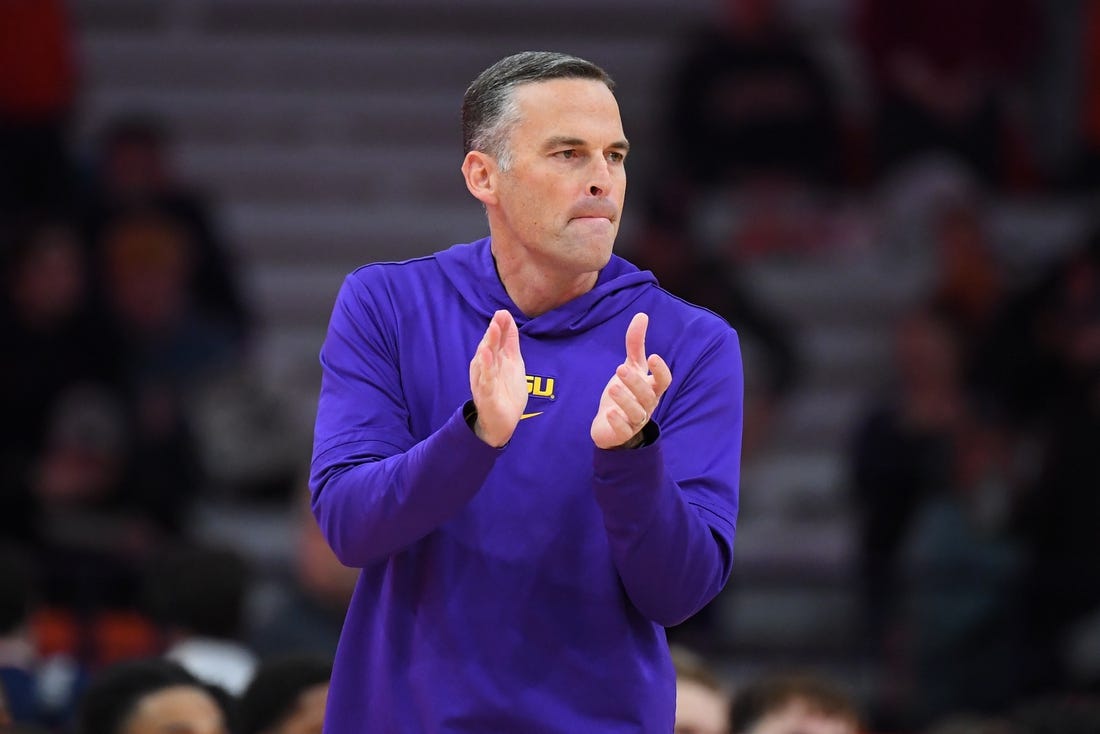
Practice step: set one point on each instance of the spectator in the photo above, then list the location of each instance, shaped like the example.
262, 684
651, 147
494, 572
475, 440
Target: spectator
65, 458
53, 345
93, 530
170, 352
198, 596
963, 571
150, 696
750, 100
148, 270
666, 247
786, 704
308, 612
682, 267
702, 706
136, 175
946, 77
287, 696
902, 453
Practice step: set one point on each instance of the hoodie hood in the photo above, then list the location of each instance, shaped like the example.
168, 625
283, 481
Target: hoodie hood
471, 270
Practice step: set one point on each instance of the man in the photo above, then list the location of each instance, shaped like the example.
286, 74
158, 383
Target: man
528, 525
793, 704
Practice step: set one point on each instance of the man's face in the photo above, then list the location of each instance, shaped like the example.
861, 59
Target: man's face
560, 201
798, 718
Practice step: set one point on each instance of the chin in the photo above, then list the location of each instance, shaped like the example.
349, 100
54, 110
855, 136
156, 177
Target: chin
585, 254
598, 254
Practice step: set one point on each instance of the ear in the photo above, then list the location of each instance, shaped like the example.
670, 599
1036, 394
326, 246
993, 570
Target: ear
480, 171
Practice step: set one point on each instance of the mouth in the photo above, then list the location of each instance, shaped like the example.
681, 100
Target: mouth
593, 222
595, 213
594, 217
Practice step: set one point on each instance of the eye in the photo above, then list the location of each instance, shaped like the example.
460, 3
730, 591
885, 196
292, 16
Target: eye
616, 157
569, 154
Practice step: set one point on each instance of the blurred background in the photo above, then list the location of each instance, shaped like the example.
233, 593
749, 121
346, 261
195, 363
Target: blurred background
895, 202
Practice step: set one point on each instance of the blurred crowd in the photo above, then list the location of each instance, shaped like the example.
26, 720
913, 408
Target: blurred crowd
973, 470
122, 314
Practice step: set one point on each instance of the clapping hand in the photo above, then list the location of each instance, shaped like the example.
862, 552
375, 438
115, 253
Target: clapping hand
498, 381
632, 394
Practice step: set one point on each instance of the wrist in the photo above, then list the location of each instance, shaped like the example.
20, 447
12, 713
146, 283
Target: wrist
473, 420
645, 437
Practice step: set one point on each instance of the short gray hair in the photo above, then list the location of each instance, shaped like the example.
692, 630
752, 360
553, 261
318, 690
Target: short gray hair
489, 110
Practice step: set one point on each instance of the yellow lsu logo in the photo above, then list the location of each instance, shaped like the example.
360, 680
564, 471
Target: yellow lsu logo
540, 387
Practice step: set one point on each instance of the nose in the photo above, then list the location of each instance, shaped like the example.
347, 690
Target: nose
600, 179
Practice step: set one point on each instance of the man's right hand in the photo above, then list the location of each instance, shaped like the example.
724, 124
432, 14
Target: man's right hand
498, 381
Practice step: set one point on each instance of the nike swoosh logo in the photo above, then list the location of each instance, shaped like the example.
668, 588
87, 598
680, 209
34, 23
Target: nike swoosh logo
530, 415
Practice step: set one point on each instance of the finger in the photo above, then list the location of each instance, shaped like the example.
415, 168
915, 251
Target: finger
509, 341
633, 410
638, 384
635, 339
662, 375
478, 360
491, 340
620, 424
482, 364
489, 360
502, 318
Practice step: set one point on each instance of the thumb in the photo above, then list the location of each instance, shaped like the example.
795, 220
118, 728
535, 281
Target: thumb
635, 340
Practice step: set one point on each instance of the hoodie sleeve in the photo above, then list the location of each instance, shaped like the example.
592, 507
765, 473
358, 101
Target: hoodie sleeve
670, 508
375, 488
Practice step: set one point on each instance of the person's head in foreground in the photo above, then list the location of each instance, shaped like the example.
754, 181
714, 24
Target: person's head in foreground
702, 706
287, 696
152, 696
793, 704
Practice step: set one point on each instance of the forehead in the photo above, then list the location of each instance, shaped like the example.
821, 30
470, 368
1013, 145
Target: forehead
800, 718
581, 108
180, 709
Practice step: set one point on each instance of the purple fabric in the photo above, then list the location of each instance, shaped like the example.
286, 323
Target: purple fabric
522, 589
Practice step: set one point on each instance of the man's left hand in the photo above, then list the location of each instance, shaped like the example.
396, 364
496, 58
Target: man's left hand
632, 394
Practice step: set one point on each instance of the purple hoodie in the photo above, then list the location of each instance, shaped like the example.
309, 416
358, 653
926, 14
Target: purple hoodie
522, 589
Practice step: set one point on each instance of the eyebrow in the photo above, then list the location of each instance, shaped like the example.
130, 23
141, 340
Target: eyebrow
559, 141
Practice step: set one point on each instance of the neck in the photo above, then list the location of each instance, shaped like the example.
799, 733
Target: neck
536, 289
